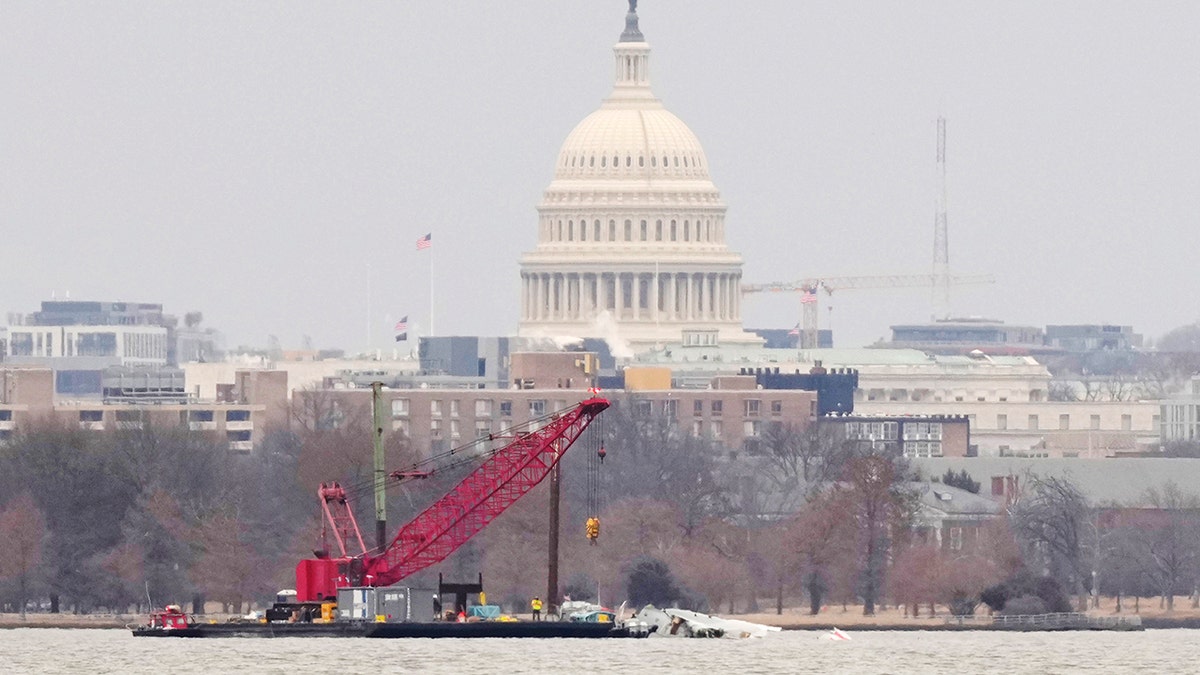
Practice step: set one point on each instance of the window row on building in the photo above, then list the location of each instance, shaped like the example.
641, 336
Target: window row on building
142, 343
590, 162
643, 407
919, 394
659, 230
729, 416
1034, 422
236, 424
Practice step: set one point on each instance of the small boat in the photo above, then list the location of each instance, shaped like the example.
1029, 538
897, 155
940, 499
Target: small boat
171, 621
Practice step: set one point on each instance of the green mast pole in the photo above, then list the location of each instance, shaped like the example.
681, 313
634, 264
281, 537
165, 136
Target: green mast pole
380, 469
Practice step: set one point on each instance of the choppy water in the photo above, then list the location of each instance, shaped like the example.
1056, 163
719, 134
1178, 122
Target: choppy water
41, 650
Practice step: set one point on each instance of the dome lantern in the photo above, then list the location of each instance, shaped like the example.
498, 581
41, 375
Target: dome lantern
632, 60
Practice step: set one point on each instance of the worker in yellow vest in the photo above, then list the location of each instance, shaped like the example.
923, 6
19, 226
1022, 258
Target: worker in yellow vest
536, 606
593, 530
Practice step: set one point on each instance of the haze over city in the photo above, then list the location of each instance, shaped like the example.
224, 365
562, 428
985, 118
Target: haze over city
273, 164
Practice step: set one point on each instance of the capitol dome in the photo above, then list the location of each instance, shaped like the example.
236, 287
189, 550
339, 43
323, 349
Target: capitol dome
631, 230
622, 140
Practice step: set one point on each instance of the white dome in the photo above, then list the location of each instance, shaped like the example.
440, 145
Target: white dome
626, 139
631, 231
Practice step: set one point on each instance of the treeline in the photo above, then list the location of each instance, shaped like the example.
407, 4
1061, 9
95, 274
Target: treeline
113, 520
121, 519
117, 520
809, 518
816, 520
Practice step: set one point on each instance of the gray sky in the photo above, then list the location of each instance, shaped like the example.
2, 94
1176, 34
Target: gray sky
260, 161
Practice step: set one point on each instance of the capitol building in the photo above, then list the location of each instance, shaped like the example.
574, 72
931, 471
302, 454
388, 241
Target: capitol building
631, 230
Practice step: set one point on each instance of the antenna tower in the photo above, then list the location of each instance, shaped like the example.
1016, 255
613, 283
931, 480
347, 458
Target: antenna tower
941, 248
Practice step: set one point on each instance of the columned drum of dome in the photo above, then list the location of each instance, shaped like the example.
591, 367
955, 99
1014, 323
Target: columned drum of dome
631, 231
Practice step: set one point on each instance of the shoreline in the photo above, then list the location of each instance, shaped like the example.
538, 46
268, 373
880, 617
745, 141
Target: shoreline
887, 620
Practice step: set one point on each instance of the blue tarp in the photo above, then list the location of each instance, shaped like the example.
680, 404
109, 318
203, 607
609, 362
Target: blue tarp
484, 611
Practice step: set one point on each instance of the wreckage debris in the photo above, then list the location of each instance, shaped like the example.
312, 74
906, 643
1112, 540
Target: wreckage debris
675, 622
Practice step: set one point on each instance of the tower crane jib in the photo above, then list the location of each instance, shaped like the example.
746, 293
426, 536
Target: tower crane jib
810, 286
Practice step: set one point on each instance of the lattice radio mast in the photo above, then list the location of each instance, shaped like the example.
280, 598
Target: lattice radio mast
941, 247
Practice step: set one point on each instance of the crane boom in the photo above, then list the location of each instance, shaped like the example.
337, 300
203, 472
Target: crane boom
460, 514
481, 496
810, 286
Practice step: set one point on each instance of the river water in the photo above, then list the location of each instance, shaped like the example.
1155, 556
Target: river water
47, 650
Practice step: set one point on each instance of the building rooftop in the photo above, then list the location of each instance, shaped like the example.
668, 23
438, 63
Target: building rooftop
1120, 481
737, 356
951, 500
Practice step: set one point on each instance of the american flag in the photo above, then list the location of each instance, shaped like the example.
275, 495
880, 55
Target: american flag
808, 298
425, 242
795, 331
402, 324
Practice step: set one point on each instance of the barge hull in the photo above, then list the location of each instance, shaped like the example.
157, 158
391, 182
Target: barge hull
496, 629
481, 629
202, 630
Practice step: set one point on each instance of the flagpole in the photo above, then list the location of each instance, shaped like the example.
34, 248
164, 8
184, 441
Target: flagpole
368, 307
431, 333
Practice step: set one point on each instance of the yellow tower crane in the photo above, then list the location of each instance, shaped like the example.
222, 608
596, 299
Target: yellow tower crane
808, 289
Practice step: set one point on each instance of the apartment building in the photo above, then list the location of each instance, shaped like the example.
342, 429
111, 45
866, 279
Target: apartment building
256, 403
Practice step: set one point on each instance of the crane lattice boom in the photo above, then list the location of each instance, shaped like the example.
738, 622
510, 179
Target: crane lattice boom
439, 530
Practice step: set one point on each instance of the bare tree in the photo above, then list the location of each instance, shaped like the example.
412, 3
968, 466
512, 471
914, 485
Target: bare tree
1119, 565
649, 456
1053, 518
1168, 544
706, 570
806, 459
1119, 387
1063, 390
1182, 339
230, 567
23, 531
917, 572
882, 508
822, 537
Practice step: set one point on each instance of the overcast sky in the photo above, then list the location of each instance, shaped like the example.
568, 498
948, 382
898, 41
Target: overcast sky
267, 163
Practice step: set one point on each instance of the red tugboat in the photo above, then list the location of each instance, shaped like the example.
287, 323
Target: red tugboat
168, 622
507, 473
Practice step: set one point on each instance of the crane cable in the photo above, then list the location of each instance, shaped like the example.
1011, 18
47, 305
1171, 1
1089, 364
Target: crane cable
472, 452
595, 462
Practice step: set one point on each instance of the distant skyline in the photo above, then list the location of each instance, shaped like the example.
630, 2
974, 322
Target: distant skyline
270, 164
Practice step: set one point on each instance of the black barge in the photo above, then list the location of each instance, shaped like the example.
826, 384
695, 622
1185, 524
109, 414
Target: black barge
435, 629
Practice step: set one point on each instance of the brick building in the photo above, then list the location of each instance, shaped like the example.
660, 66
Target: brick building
256, 403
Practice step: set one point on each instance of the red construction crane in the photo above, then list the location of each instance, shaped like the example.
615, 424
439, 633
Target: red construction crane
439, 530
